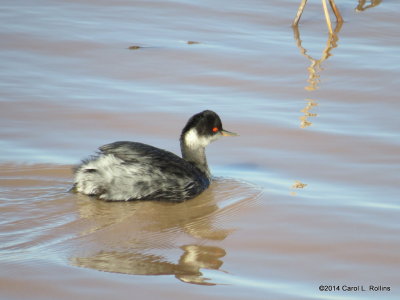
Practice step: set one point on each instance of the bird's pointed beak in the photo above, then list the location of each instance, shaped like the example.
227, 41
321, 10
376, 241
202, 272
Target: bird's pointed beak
228, 133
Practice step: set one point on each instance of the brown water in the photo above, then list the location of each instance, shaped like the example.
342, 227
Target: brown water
307, 195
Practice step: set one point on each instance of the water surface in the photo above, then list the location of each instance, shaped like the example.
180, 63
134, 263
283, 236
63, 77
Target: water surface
307, 195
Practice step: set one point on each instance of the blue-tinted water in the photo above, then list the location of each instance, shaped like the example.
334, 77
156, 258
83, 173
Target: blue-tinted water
307, 195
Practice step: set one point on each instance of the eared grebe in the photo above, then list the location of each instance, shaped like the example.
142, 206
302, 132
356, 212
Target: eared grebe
134, 171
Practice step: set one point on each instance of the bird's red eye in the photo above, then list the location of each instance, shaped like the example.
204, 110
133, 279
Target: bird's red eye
215, 129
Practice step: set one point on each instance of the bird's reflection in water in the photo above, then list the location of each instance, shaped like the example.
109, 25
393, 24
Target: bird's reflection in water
158, 238
315, 69
187, 269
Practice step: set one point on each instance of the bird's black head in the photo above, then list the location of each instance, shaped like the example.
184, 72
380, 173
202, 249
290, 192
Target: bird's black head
203, 128
206, 123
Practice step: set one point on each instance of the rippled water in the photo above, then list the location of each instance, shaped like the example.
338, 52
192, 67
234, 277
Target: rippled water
306, 196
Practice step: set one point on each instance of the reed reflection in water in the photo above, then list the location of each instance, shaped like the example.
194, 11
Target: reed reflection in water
158, 238
363, 5
316, 64
315, 69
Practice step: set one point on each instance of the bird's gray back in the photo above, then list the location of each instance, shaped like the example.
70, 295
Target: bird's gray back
131, 170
